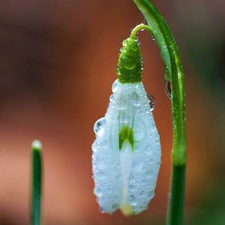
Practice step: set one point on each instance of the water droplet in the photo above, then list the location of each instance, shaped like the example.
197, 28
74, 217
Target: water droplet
94, 146
142, 194
102, 144
151, 101
101, 164
115, 206
151, 194
123, 118
147, 150
115, 86
143, 182
137, 100
97, 191
119, 178
102, 210
168, 88
139, 130
131, 178
132, 200
128, 62
99, 126
112, 98
134, 46
122, 103
137, 164
101, 175
131, 187
124, 43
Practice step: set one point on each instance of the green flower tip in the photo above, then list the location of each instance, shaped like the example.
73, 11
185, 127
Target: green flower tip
36, 145
129, 68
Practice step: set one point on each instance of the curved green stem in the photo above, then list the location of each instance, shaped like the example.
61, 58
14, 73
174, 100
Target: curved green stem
36, 186
138, 28
173, 73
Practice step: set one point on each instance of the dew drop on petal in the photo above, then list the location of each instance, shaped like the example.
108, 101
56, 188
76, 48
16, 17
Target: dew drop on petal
115, 206
112, 98
99, 126
143, 194
147, 150
102, 144
122, 104
139, 130
94, 146
97, 191
119, 178
132, 200
101, 175
115, 86
131, 187
137, 164
137, 100
143, 182
151, 194
131, 178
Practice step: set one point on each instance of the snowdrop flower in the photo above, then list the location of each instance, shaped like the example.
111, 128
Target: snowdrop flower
126, 152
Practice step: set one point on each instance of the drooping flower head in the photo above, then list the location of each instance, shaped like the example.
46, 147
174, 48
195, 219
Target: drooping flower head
126, 151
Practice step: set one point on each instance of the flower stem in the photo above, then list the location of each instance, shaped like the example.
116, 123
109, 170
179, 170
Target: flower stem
173, 73
36, 185
176, 205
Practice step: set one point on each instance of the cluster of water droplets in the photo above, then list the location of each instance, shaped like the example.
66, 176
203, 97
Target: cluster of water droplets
147, 153
132, 168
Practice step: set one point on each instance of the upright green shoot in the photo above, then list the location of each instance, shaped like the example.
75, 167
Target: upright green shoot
36, 185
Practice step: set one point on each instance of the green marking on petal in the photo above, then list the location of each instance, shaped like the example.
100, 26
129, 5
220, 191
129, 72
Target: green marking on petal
126, 134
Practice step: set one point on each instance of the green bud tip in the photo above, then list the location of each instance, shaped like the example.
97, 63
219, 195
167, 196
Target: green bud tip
129, 68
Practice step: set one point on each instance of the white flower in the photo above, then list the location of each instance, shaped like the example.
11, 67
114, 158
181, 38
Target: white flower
126, 152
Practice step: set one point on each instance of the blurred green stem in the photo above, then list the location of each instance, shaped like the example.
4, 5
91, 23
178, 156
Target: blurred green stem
174, 74
36, 186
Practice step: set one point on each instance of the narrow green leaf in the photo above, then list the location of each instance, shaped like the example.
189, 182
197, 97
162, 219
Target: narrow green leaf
36, 185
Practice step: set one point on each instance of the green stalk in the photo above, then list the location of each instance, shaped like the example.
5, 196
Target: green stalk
36, 186
174, 74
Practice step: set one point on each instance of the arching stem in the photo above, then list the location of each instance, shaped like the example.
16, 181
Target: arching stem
138, 28
173, 73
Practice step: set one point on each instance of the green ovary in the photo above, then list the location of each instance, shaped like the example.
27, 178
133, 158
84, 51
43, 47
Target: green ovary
126, 134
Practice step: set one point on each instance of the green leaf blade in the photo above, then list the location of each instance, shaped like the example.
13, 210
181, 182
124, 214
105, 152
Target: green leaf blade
36, 185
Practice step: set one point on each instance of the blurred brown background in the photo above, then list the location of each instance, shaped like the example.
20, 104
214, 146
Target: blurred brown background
57, 65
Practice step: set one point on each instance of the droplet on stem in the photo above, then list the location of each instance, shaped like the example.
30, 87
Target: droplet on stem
151, 101
168, 88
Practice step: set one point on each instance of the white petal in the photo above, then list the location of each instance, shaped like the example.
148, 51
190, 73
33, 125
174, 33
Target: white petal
126, 153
